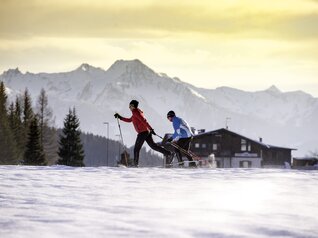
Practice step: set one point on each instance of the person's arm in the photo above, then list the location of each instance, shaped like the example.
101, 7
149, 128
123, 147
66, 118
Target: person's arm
123, 118
142, 119
177, 133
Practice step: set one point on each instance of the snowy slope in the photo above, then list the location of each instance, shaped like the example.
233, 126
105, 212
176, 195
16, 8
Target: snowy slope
59, 201
271, 104
285, 119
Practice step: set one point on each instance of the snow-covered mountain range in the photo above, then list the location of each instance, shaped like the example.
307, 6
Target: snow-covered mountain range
283, 119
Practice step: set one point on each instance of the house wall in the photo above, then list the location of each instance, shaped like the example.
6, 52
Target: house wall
276, 156
255, 162
234, 162
228, 144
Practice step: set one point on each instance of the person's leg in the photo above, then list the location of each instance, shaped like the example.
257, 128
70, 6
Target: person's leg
141, 137
168, 155
178, 152
184, 143
187, 148
179, 156
156, 147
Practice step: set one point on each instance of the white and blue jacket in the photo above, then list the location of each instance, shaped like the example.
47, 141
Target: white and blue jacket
181, 128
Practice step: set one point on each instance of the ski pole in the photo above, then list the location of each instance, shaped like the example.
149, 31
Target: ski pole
122, 141
160, 137
189, 153
121, 135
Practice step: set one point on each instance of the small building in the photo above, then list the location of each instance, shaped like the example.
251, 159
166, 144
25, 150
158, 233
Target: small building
305, 163
232, 150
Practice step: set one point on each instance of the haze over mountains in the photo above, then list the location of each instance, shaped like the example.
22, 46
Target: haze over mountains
284, 119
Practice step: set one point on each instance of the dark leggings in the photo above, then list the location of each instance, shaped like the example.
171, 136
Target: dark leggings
184, 143
141, 138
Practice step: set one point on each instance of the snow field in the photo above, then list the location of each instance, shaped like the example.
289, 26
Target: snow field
60, 201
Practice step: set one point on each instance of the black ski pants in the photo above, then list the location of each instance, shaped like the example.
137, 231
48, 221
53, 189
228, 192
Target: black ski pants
183, 143
141, 138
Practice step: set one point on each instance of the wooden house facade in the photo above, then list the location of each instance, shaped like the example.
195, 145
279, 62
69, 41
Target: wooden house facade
232, 150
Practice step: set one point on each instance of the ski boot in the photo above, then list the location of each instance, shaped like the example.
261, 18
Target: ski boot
181, 164
169, 159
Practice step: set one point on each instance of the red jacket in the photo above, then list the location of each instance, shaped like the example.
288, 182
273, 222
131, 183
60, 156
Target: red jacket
139, 121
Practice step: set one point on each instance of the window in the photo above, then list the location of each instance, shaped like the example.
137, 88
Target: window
203, 145
215, 147
196, 145
243, 145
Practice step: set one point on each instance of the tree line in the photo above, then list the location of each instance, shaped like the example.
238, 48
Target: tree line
28, 136
95, 148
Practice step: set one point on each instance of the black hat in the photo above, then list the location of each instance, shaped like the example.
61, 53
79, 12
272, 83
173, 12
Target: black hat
134, 103
171, 114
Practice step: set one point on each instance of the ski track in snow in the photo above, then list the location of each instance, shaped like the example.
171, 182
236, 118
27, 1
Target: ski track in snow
60, 201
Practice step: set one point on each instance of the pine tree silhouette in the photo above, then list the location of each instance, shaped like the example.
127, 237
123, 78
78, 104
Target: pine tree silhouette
71, 151
34, 154
8, 147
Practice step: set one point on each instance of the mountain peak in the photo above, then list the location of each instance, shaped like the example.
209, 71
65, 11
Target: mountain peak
273, 89
134, 62
85, 67
130, 65
12, 72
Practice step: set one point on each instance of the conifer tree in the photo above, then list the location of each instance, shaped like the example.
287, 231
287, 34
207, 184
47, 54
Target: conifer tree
17, 127
48, 138
44, 113
15, 122
18, 109
27, 109
3, 100
71, 151
11, 116
27, 116
8, 149
34, 152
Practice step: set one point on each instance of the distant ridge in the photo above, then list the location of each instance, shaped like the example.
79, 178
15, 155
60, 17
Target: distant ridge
280, 118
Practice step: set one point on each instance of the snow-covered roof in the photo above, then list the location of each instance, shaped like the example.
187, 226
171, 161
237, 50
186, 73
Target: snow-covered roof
256, 141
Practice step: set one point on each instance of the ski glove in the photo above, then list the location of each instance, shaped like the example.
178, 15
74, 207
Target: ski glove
152, 132
169, 139
116, 115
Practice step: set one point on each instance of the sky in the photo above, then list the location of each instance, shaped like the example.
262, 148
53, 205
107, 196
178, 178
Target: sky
245, 44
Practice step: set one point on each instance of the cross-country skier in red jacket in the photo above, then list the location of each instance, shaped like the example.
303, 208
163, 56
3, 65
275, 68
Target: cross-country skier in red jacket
144, 130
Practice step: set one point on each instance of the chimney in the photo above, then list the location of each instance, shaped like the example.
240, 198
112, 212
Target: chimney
261, 139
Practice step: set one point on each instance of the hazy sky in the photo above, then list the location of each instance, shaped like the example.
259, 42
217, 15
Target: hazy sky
247, 44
